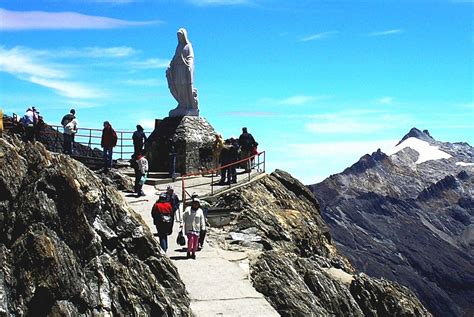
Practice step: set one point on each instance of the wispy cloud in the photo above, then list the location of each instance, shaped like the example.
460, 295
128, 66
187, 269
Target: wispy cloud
96, 52
250, 114
355, 122
296, 100
151, 63
385, 100
318, 36
387, 32
41, 20
150, 82
23, 64
202, 3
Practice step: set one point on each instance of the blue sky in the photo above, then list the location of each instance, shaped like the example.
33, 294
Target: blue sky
318, 83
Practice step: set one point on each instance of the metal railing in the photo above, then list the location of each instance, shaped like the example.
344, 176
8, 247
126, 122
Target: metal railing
255, 162
87, 137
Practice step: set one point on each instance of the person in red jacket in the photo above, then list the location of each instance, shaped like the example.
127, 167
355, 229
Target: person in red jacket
108, 142
163, 217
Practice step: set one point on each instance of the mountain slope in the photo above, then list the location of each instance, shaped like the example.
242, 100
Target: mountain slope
409, 216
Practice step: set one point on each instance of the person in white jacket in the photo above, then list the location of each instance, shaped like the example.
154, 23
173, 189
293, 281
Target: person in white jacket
194, 221
141, 172
70, 124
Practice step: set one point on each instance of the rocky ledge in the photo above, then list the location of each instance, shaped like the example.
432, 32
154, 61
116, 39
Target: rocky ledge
296, 265
70, 245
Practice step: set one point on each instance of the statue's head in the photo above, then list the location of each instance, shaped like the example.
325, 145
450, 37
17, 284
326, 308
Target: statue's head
182, 35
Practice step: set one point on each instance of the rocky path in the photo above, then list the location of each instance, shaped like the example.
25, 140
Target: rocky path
217, 280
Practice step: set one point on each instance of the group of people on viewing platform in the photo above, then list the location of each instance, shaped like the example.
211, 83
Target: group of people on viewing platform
225, 153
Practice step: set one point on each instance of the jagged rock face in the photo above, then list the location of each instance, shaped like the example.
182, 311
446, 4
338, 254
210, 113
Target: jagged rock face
409, 222
70, 246
298, 268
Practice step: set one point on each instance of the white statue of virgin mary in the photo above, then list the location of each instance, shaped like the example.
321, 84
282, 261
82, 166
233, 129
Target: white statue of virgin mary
180, 76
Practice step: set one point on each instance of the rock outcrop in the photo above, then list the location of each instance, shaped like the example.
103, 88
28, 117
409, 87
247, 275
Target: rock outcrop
295, 264
409, 221
70, 245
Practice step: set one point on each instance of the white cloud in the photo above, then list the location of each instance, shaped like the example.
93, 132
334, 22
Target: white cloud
147, 124
67, 89
20, 61
24, 65
341, 148
296, 100
202, 3
344, 126
354, 122
41, 20
250, 114
387, 32
151, 63
150, 82
318, 36
385, 100
96, 52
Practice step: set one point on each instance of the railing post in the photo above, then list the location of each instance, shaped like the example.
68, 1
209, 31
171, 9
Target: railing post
264, 160
212, 183
121, 145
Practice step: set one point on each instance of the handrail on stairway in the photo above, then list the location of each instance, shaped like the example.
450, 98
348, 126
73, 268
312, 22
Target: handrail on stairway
259, 165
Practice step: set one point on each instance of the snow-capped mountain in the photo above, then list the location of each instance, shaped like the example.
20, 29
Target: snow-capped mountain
408, 215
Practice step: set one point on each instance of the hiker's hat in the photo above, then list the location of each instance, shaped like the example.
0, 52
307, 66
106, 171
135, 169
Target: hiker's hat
196, 200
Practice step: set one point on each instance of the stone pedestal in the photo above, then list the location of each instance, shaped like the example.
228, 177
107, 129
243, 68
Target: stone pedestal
181, 112
192, 139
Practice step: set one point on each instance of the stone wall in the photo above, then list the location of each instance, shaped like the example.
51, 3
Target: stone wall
192, 138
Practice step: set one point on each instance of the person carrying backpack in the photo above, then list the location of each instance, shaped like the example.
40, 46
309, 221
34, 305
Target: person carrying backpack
108, 142
69, 123
162, 213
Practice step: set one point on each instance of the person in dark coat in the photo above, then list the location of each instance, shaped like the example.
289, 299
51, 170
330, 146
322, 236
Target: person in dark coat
229, 155
108, 142
162, 213
139, 139
246, 143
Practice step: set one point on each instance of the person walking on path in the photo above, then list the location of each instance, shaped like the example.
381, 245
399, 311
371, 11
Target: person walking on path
141, 173
246, 142
69, 123
194, 222
108, 142
172, 198
139, 139
162, 213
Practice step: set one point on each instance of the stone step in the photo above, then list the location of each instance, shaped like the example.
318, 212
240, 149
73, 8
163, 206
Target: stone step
153, 175
158, 181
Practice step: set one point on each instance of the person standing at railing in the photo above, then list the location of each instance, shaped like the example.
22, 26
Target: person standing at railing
29, 124
69, 123
108, 142
139, 139
246, 142
216, 150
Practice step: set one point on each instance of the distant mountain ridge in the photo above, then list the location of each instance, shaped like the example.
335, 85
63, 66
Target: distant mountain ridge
408, 215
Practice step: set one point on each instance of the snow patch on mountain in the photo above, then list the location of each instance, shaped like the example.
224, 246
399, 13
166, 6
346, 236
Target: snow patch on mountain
426, 151
464, 164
